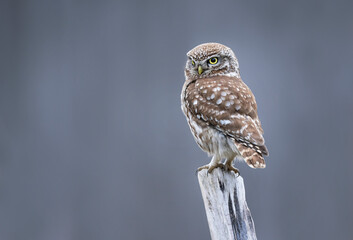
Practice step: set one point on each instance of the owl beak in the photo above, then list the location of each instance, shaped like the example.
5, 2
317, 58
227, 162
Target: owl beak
200, 69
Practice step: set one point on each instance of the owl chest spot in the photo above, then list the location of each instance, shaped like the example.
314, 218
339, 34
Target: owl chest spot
211, 140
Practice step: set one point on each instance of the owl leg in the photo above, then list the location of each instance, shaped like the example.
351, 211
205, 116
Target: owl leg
229, 166
215, 163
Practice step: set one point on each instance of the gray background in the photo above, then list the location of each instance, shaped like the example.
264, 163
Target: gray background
93, 144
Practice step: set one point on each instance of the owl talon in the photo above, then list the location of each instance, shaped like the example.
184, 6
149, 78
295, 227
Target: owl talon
201, 168
231, 168
210, 167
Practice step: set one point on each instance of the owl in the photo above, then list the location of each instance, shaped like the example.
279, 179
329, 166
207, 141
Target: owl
220, 109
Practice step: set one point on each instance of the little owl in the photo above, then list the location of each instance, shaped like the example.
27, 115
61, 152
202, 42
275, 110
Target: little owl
220, 108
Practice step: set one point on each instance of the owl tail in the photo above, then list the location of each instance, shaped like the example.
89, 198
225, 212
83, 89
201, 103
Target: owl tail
251, 156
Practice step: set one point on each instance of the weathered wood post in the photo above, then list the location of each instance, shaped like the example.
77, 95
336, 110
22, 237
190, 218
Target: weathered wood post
228, 215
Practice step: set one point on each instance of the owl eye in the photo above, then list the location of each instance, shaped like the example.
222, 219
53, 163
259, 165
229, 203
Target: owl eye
193, 63
213, 60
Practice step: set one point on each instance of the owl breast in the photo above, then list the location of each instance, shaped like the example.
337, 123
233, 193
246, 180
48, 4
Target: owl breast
209, 139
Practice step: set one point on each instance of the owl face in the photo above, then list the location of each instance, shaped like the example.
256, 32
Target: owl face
209, 60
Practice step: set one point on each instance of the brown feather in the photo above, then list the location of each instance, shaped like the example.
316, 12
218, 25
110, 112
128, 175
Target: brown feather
228, 105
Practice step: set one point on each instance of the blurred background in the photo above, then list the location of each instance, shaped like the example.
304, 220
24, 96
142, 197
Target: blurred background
93, 144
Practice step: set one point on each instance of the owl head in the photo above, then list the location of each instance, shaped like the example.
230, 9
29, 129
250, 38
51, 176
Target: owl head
209, 60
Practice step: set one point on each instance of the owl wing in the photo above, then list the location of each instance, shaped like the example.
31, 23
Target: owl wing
228, 105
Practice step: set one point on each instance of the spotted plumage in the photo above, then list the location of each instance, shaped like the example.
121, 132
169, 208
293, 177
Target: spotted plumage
220, 109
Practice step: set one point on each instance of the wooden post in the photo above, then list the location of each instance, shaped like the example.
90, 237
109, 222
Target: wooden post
228, 215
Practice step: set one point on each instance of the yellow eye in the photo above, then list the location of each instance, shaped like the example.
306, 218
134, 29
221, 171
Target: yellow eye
193, 63
213, 60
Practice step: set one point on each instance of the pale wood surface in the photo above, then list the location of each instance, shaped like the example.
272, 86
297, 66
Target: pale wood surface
227, 212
